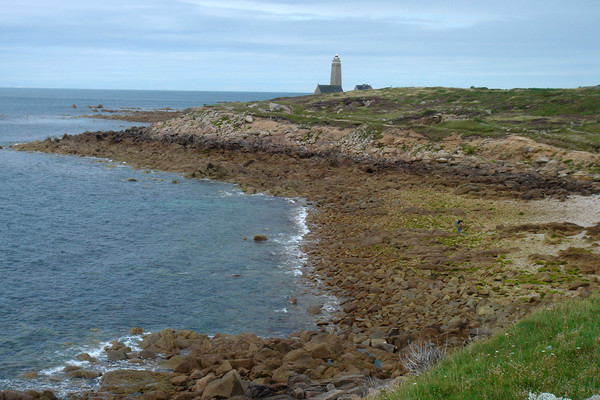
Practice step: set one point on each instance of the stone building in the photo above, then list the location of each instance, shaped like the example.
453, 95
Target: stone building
335, 83
364, 86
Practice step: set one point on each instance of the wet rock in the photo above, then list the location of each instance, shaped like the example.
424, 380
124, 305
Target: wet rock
116, 355
84, 374
314, 310
85, 357
136, 330
28, 375
126, 381
160, 342
14, 395
48, 395
147, 354
260, 238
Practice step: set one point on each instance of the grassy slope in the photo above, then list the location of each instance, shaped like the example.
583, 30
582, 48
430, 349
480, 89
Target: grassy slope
555, 351
567, 118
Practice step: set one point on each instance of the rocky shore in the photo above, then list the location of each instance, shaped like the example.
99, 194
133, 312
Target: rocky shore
383, 240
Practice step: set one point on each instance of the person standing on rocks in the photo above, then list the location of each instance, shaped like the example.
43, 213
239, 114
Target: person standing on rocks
459, 226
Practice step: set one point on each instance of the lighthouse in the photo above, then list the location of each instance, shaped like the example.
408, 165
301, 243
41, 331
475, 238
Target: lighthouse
335, 83
336, 71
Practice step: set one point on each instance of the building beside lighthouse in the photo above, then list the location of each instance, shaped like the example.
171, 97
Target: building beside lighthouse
335, 83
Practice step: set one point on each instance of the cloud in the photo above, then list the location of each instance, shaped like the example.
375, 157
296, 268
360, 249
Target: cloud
263, 44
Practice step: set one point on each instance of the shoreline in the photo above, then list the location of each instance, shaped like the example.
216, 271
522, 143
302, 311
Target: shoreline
382, 240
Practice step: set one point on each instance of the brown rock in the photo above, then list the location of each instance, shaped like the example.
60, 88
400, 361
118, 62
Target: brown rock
116, 355
156, 395
203, 382
578, 284
179, 380
188, 364
224, 368
136, 330
314, 310
14, 395
85, 357
185, 396
225, 388
245, 363
28, 375
317, 350
84, 374
171, 363
147, 354
48, 395
160, 342
283, 373
126, 381
260, 238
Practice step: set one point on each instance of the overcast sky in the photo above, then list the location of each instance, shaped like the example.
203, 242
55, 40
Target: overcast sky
288, 45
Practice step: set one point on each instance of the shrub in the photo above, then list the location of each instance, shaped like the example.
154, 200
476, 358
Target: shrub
420, 355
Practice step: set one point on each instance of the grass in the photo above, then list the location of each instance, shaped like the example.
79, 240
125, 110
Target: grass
556, 350
568, 118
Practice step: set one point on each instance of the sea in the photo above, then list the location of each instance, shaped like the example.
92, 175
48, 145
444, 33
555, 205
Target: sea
91, 247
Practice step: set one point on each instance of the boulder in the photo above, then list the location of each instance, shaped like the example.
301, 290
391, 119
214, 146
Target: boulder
188, 364
314, 310
317, 350
127, 381
84, 374
180, 380
171, 363
14, 395
245, 363
330, 395
255, 390
224, 368
147, 354
227, 387
85, 357
201, 383
260, 238
116, 355
28, 375
48, 395
275, 107
156, 395
160, 342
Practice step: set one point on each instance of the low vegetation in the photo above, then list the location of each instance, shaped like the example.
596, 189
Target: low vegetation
556, 351
566, 118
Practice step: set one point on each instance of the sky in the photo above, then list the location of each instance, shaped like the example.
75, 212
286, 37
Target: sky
288, 45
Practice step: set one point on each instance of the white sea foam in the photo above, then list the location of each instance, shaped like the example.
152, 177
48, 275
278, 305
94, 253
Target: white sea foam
55, 379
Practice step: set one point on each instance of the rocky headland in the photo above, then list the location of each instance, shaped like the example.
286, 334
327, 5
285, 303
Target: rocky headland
383, 207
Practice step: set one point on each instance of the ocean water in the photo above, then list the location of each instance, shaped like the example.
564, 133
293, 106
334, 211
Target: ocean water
91, 247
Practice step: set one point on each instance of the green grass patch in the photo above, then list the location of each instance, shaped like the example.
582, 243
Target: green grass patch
555, 351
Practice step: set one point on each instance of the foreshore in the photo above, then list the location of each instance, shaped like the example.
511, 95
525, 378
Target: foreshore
383, 240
